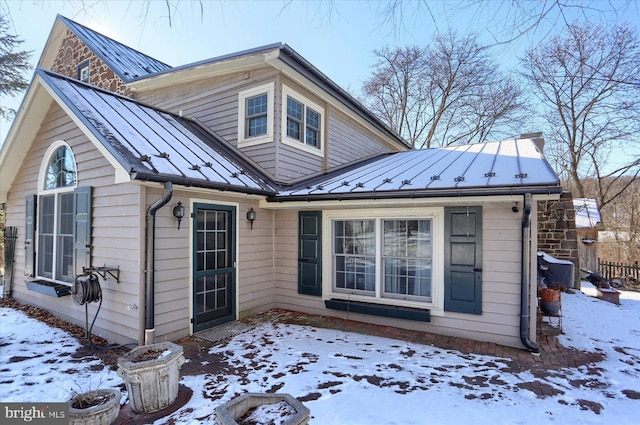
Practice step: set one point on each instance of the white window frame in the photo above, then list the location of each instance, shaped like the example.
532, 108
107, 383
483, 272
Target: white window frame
436, 215
56, 193
84, 65
307, 104
243, 140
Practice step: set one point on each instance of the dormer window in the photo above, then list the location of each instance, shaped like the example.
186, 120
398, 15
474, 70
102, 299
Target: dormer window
300, 117
256, 121
302, 122
255, 124
83, 72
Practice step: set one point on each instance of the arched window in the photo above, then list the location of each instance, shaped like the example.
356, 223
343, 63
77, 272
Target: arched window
56, 215
61, 170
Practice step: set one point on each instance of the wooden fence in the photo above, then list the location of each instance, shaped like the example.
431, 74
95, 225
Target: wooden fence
611, 269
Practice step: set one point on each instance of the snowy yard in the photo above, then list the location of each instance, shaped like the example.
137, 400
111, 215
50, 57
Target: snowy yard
349, 378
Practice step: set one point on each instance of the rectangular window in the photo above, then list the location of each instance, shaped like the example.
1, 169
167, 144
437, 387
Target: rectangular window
355, 255
384, 258
313, 128
55, 237
256, 115
294, 119
302, 122
406, 258
256, 121
83, 72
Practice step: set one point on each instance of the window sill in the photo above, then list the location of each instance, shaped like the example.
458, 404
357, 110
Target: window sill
396, 312
51, 289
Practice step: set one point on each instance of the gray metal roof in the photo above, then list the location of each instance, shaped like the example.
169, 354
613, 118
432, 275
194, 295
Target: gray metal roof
512, 166
126, 62
154, 145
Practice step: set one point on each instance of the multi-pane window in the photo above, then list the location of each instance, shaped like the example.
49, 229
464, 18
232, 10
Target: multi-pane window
406, 258
312, 128
294, 119
355, 254
56, 217
384, 258
256, 115
303, 123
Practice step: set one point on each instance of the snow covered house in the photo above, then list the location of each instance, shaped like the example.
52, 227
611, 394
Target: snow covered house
208, 192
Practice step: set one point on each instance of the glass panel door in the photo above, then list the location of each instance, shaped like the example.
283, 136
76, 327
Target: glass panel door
214, 266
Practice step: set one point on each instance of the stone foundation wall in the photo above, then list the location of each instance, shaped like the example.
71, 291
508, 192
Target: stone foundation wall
557, 234
73, 52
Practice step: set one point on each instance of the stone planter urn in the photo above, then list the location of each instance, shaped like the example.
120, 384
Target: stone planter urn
104, 413
151, 374
230, 412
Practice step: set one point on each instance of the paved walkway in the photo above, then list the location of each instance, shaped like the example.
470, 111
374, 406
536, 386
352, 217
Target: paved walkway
552, 354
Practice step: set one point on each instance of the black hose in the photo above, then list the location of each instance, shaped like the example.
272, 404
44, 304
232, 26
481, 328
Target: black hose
86, 289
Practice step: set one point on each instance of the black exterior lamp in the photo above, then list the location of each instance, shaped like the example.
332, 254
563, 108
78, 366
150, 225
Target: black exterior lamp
178, 212
251, 216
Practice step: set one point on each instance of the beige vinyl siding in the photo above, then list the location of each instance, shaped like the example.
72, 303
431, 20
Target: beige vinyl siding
213, 101
500, 317
173, 265
286, 264
255, 261
349, 140
115, 232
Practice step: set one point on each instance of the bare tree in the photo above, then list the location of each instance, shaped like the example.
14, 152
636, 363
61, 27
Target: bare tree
621, 217
447, 93
588, 83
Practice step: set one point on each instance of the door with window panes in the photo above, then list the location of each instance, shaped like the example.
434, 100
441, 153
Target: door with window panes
214, 265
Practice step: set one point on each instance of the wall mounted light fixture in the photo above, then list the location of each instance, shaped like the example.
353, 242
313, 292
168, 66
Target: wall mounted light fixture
251, 216
515, 208
178, 212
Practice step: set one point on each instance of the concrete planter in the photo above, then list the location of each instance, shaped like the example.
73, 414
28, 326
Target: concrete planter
103, 414
229, 412
151, 374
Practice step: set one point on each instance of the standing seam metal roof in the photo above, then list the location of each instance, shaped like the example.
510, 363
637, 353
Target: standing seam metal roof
156, 145
507, 166
126, 62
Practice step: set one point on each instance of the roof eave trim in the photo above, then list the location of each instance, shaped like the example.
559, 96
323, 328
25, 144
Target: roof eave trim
418, 194
190, 71
187, 182
120, 164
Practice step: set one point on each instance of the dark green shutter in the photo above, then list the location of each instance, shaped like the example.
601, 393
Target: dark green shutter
29, 236
463, 260
310, 252
82, 229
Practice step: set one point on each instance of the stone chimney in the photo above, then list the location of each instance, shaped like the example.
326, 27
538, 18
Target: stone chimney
537, 139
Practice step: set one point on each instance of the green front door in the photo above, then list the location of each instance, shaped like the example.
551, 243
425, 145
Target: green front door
463, 259
214, 265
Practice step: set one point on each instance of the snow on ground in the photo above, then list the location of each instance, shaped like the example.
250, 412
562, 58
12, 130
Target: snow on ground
358, 379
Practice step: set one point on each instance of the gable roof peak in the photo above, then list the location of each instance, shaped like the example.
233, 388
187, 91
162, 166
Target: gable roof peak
126, 62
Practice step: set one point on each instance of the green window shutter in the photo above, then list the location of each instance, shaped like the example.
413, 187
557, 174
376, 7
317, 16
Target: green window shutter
82, 229
310, 252
463, 260
29, 237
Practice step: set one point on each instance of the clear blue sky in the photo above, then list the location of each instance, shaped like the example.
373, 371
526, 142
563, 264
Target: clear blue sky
338, 36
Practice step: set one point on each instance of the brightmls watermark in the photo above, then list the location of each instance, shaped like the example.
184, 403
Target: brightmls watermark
35, 413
